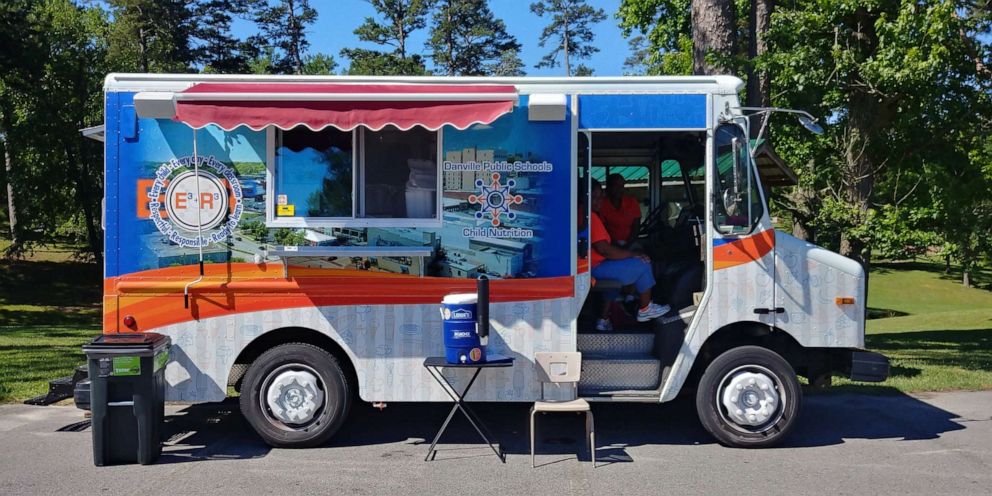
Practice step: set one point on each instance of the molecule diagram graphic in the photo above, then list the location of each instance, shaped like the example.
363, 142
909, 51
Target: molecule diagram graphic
495, 199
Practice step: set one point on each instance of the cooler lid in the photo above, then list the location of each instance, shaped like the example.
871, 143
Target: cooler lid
461, 299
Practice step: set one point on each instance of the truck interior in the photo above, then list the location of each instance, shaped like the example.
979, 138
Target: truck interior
666, 173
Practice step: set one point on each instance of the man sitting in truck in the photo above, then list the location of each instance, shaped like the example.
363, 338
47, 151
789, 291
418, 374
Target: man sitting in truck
611, 262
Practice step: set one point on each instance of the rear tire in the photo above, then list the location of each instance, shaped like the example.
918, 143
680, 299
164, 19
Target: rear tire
295, 396
749, 397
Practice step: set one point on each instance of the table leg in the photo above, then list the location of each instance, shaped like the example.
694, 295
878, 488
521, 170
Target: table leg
469, 414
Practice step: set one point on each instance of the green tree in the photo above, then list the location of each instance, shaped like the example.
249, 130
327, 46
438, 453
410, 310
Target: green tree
467, 39
399, 18
49, 93
509, 65
283, 25
667, 28
217, 49
906, 101
583, 71
289, 237
319, 64
21, 41
570, 31
151, 35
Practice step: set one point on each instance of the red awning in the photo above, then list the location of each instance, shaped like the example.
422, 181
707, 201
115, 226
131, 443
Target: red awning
343, 106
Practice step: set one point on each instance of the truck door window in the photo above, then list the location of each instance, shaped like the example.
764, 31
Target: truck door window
737, 199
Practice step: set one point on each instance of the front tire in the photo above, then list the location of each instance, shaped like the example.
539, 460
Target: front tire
295, 396
749, 397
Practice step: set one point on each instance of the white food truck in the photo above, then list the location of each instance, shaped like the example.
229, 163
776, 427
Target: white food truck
294, 236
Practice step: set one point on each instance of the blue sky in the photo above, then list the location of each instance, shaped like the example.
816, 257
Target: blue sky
337, 19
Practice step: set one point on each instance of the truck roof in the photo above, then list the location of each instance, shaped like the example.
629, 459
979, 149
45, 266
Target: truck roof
123, 82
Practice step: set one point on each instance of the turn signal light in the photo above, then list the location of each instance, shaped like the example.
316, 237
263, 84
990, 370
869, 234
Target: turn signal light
844, 300
130, 322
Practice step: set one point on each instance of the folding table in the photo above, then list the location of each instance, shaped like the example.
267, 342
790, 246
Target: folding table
434, 366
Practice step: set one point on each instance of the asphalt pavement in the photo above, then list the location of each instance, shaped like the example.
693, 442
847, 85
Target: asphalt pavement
844, 444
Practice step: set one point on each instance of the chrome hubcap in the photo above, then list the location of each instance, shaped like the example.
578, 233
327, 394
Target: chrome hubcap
751, 398
294, 396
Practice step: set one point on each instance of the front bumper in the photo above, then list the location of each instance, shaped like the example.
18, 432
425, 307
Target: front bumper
868, 366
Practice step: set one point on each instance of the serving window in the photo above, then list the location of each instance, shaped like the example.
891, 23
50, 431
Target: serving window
359, 178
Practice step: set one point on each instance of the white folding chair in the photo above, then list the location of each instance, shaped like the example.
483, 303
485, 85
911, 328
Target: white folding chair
558, 368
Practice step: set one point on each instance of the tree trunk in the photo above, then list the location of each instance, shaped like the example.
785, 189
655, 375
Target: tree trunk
565, 46
295, 35
867, 114
800, 230
713, 32
450, 42
11, 205
84, 196
8, 166
758, 82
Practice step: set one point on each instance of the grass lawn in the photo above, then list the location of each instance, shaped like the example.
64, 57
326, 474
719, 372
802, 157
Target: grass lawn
49, 307
941, 335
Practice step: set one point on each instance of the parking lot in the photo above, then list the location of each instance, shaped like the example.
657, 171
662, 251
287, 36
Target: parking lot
844, 444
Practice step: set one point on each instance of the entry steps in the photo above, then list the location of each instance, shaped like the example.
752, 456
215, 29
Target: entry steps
618, 364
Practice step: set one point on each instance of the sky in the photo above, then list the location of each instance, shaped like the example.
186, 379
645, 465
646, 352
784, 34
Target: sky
337, 19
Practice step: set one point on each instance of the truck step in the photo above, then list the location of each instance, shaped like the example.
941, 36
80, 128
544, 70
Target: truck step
59, 389
616, 344
604, 374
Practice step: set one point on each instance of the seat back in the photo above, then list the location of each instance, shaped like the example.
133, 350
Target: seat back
559, 366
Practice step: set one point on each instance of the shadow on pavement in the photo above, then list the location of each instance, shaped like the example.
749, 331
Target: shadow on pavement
210, 432
219, 432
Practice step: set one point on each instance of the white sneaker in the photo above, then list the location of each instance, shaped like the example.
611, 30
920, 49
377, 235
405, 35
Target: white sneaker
653, 311
604, 325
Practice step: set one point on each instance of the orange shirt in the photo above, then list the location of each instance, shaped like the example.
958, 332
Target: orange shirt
619, 220
597, 233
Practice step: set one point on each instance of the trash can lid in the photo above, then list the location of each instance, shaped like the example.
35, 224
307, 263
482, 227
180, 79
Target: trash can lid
460, 299
129, 343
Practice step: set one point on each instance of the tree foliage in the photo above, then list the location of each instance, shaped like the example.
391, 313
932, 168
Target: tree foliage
467, 39
151, 35
569, 32
667, 29
902, 84
283, 26
216, 48
48, 92
397, 20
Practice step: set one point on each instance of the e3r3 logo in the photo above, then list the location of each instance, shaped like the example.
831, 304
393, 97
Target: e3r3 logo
182, 202
195, 202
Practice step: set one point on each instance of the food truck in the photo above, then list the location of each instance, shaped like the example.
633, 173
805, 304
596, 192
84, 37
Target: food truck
295, 235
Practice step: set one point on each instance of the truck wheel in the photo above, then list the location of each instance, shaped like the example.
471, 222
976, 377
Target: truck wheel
295, 396
749, 397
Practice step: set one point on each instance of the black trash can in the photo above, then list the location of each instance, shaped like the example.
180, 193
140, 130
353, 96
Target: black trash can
127, 396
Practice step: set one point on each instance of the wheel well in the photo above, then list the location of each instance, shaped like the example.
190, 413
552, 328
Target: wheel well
285, 335
803, 360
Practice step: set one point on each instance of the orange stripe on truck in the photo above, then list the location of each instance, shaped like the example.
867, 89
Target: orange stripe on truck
155, 298
743, 250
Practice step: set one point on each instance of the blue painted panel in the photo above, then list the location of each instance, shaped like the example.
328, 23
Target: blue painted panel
642, 111
532, 161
